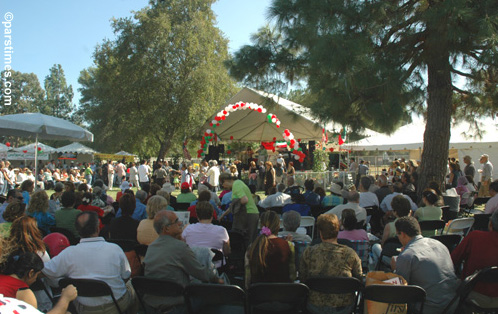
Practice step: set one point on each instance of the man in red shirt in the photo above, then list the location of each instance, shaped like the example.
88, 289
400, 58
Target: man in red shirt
479, 250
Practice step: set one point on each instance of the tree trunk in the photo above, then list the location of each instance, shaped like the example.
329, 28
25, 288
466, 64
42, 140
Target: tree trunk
163, 149
438, 127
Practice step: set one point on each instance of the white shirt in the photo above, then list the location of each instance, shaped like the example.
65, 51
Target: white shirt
92, 258
361, 213
213, 175
386, 202
133, 174
274, 200
368, 199
491, 205
143, 173
205, 235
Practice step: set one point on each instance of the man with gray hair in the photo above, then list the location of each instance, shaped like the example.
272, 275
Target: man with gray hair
486, 175
278, 199
139, 213
353, 198
469, 169
383, 189
292, 221
478, 250
213, 175
168, 257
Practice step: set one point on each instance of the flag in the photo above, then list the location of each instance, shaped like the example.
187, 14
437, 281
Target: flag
342, 136
186, 154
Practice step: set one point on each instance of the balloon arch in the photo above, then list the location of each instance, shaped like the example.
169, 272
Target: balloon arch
210, 135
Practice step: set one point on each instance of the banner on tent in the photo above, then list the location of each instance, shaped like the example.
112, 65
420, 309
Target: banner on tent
23, 156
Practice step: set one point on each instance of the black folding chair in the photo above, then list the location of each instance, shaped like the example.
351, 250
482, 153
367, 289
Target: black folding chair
90, 288
481, 222
432, 225
277, 209
155, 287
391, 248
277, 298
39, 285
337, 285
376, 215
181, 206
449, 240
213, 298
397, 294
126, 245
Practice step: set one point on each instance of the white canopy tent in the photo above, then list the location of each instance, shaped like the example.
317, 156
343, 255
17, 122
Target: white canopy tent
30, 148
3, 148
410, 137
76, 148
123, 153
252, 126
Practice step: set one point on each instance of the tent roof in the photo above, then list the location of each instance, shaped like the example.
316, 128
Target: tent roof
123, 153
30, 148
3, 148
251, 126
76, 148
411, 136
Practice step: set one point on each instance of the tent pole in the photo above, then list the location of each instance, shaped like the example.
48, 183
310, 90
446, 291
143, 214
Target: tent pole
36, 161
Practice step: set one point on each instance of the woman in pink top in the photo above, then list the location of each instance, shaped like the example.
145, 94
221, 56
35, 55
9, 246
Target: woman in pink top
349, 222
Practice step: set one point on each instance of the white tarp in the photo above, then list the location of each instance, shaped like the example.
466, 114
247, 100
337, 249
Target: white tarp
30, 148
76, 148
251, 126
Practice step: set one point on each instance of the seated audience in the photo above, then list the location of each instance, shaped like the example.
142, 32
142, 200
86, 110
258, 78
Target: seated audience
168, 257
353, 198
349, 224
492, 204
329, 259
112, 266
429, 211
145, 231
204, 196
425, 262
462, 190
14, 210
386, 203
367, 198
310, 197
38, 209
26, 237
186, 195
383, 189
292, 221
139, 213
278, 199
12, 195
54, 203
321, 192
335, 197
27, 187
125, 227
66, 216
270, 258
204, 233
478, 250
298, 204
86, 201
166, 196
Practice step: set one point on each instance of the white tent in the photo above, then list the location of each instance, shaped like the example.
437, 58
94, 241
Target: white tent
76, 148
30, 148
410, 137
123, 153
252, 126
3, 148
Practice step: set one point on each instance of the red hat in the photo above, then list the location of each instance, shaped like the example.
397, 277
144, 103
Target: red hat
185, 186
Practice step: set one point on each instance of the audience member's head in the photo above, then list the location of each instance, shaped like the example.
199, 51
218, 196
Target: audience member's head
280, 187
87, 198
27, 185
348, 219
408, 225
155, 204
398, 187
14, 195
382, 180
320, 191
204, 196
162, 193
493, 188
185, 187
38, 202
365, 183
309, 185
67, 199
204, 210
167, 223
291, 220
401, 206
14, 210
25, 235
127, 204
353, 197
141, 196
25, 265
327, 226
83, 187
154, 188
430, 197
436, 187
87, 224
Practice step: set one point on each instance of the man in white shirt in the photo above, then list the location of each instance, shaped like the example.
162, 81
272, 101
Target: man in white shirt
278, 199
386, 202
94, 258
486, 175
134, 175
367, 198
121, 171
213, 175
143, 173
492, 204
110, 174
353, 198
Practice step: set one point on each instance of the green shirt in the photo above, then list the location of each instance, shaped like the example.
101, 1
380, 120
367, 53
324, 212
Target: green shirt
65, 218
428, 213
186, 198
239, 190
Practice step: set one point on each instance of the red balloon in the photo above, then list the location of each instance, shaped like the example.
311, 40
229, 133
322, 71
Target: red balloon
225, 112
242, 104
260, 110
210, 124
25, 151
39, 148
274, 139
7, 144
278, 126
56, 242
231, 137
229, 152
223, 117
234, 107
299, 140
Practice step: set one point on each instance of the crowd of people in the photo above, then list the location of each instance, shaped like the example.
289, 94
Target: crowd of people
146, 211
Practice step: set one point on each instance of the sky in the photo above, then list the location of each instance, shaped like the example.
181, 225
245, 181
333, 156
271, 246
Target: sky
66, 32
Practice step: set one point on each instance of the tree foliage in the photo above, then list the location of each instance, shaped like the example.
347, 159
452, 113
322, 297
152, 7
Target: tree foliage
159, 80
372, 63
22, 93
58, 96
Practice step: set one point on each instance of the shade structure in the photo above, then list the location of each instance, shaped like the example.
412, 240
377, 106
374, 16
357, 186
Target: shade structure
30, 148
253, 126
43, 127
123, 153
3, 148
76, 148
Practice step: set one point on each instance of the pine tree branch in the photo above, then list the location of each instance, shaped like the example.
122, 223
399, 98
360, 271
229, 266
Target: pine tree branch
453, 70
395, 29
461, 91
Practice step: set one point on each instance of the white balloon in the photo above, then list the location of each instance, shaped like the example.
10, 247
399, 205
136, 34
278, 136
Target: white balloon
273, 120
209, 130
296, 157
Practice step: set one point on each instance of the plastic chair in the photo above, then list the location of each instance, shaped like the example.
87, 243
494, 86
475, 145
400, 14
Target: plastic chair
213, 298
308, 221
277, 298
68, 234
336, 285
449, 240
481, 222
155, 287
391, 248
431, 225
460, 226
90, 288
396, 294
